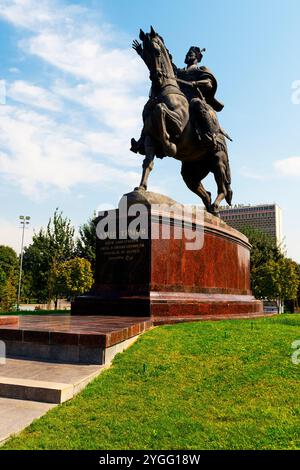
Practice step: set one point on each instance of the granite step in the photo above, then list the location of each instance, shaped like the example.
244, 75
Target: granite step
171, 320
78, 340
9, 320
43, 381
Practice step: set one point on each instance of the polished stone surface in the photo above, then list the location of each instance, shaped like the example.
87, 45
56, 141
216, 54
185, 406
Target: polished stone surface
160, 276
93, 331
62, 338
9, 320
169, 320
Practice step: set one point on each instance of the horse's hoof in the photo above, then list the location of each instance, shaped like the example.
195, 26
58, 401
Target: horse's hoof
214, 211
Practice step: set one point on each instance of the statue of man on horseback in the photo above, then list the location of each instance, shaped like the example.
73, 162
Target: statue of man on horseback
180, 120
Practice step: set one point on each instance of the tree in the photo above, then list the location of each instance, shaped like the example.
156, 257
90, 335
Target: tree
9, 263
60, 235
49, 247
8, 295
8, 277
273, 276
277, 280
73, 277
36, 266
86, 243
263, 248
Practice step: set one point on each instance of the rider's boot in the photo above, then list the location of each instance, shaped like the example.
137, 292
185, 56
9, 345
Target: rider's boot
138, 146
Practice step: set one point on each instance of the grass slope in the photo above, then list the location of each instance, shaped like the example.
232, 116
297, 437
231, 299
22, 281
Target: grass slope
207, 385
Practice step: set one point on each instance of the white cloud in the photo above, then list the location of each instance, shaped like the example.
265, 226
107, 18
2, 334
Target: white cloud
288, 167
46, 155
118, 109
10, 234
69, 38
33, 95
85, 58
111, 148
34, 14
252, 174
14, 70
47, 152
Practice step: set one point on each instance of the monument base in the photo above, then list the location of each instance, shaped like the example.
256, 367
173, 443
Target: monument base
9, 320
170, 305
163, 275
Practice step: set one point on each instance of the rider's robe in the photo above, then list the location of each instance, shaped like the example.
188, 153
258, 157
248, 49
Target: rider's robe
194, 74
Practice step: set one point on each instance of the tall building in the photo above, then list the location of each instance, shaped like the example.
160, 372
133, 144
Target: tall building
265, 217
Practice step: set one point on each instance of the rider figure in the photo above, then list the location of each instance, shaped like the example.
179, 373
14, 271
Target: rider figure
200, 92
200, 77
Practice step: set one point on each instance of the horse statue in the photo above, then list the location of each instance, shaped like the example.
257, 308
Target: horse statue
176, 127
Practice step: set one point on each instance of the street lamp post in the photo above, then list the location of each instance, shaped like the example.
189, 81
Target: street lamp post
24, 220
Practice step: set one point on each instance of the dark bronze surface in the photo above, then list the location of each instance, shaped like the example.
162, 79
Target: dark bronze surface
180, 120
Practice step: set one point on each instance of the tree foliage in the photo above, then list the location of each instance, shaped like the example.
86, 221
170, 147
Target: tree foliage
277, 280
86, 243
263, 248
8, 295
49, 247
9, 265
273, 276
73, 277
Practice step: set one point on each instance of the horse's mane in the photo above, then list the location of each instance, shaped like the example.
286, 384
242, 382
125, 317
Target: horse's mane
168, 52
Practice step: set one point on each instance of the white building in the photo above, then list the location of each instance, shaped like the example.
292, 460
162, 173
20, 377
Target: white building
264, 217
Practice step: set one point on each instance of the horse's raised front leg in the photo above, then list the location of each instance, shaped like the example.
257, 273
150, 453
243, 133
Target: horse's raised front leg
161, 110
148, 164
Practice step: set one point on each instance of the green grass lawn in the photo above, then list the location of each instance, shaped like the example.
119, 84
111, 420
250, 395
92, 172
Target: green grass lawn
207, 385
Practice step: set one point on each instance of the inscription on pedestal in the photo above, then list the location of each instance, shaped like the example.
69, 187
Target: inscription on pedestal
123, 261
125, 250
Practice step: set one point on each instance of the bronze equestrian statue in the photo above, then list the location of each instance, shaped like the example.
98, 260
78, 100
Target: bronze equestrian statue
180, 120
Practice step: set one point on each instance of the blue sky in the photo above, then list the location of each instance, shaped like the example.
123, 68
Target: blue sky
75, 92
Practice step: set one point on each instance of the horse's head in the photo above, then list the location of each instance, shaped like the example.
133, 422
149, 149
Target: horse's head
157, 57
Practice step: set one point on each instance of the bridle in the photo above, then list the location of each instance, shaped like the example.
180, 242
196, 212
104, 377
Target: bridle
161, 73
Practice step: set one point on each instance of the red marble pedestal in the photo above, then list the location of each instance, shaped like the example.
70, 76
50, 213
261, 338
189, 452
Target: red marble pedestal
166, 280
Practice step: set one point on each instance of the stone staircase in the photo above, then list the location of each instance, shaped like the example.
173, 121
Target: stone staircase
51, 358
